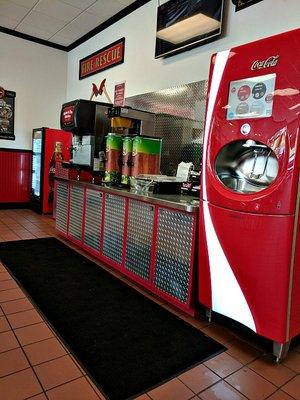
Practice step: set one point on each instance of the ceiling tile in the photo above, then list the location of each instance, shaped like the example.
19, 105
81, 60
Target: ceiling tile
25, 3
43, 22
58, 9
126, 2
8, 22
60, 21
68, 32
82, 4
12, 10
65, 40
61, 40
105, 9
85, 23
36, 32
76, 29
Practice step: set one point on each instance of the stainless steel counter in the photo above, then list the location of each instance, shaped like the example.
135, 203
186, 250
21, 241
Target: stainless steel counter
177, 202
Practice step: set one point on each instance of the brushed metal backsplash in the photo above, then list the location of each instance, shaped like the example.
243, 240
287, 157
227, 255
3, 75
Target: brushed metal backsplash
179, 122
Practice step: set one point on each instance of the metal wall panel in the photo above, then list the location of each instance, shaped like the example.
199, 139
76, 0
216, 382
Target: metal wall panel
93, 218
76, 212
62, 194
113, 227
139, 238
173, 253
179, 122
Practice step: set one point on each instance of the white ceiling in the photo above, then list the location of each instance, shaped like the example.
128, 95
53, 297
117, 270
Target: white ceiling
58, 21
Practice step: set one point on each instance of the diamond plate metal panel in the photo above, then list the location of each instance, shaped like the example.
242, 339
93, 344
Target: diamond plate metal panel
113, 227
179, 122
174, 249
139, 238
76, 212
93, 218
62, 192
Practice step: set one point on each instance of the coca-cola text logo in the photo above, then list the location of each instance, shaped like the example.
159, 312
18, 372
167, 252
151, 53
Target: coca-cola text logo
269, 62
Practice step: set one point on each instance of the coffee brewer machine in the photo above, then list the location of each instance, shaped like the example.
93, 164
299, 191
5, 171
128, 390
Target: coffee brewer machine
88, 122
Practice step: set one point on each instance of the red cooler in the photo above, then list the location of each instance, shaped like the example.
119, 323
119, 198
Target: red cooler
249, 209
48, 147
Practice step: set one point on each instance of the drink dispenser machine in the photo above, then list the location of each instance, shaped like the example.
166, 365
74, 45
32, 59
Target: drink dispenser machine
249, 208
88, 122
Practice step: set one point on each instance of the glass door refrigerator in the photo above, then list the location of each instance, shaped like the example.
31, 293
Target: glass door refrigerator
48, 147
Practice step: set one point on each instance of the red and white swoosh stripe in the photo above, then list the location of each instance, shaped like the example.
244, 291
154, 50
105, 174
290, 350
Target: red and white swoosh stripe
227, 296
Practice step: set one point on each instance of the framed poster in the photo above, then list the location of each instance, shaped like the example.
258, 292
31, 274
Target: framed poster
7, 114
185, 24
241, 4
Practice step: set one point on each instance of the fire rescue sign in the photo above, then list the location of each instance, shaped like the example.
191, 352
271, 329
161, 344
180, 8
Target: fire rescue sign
102, 59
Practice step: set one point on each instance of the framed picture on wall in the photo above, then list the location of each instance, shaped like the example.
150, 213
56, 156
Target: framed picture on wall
241, 4
7, 114
185, 24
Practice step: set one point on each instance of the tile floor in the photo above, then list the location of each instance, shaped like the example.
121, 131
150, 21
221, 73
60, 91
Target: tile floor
34, 363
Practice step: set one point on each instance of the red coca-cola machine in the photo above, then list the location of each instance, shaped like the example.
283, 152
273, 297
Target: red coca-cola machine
250, 195
48, 147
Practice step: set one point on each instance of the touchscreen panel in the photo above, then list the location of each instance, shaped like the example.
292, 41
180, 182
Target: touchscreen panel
251, 98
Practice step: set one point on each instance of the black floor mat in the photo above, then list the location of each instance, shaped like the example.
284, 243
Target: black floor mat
126, 342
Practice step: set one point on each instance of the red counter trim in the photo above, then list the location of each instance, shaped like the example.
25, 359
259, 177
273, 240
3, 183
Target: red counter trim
15, 150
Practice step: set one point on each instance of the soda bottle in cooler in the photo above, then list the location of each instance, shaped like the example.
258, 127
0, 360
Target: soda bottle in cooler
57, 156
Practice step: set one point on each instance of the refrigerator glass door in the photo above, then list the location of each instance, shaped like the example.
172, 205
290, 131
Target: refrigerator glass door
36, 163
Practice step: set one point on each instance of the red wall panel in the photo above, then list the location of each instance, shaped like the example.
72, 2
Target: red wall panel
15, 175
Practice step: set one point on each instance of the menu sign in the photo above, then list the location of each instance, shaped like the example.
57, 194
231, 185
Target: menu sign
251, 98
7, 114
119, 97
67, 116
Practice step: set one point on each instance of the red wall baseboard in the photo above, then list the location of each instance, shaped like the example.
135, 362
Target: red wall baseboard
15, 175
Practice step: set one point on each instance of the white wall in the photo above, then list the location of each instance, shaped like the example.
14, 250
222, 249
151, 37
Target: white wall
143, 73
44, 78
38, 75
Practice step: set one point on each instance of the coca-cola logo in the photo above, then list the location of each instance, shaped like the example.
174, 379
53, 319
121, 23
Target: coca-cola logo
269, 62
67, 115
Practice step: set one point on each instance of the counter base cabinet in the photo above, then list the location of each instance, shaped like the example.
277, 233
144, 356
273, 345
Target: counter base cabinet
150, 244
62, 206
76, 212
174, 247
139, 238
93, 219
113, 229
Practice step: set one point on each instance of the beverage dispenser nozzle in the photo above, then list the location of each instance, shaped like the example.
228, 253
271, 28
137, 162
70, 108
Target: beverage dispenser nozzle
251, 143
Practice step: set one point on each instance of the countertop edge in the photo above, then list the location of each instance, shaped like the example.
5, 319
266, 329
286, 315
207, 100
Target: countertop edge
180, 205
